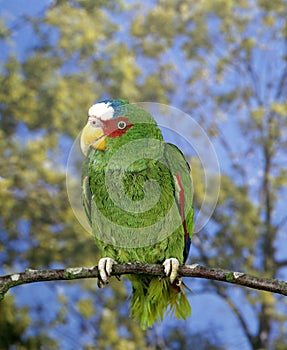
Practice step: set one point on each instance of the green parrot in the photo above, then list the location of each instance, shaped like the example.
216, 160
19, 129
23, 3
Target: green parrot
137, 195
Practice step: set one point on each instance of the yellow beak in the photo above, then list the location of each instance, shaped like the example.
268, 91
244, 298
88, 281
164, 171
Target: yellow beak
92, 137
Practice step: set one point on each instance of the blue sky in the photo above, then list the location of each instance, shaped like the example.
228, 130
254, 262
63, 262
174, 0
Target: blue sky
13, 13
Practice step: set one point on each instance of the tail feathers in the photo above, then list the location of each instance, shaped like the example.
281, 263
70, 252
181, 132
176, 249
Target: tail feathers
152, 297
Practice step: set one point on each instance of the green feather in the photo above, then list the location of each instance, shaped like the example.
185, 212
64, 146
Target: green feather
153, 296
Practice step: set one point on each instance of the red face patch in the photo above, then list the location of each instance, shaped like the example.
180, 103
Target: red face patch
116, 127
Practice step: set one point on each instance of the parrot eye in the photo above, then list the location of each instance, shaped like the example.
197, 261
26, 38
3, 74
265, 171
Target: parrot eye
122, 125
94, 122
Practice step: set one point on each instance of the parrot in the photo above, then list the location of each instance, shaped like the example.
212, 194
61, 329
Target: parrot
137, 196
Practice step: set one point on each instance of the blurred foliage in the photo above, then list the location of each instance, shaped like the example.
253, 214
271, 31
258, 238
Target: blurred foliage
224, 62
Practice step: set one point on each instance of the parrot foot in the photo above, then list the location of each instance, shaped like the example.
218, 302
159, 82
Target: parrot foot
170, 268
105, 267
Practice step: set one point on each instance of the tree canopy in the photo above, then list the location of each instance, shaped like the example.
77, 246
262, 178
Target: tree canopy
224, 63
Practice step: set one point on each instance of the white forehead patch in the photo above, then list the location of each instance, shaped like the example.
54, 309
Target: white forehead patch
101, 110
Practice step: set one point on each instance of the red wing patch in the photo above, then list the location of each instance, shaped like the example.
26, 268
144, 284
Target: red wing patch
181, 201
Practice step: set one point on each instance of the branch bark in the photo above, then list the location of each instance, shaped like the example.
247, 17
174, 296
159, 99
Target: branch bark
31, 276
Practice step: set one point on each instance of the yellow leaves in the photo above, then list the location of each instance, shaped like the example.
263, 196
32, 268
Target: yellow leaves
221, 7
153, 90
12, 90
4, 31
79, 30
108, 320
8, 310
7, 198
5, 183
160, 21
85, 307
153, 48
279, 108
258, 114
280, 181
137, 28
121, 72
247, 44
197, 173
272, 6
269, 20
37, 152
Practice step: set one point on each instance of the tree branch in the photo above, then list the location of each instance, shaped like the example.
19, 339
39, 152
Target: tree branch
30, 276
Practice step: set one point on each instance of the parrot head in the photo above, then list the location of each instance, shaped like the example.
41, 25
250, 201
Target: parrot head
111, 119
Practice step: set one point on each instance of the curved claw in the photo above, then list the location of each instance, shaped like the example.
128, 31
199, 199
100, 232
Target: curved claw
170, 268
105, 267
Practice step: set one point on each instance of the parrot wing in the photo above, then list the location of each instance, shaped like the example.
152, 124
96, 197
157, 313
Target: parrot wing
86, 192
180, 169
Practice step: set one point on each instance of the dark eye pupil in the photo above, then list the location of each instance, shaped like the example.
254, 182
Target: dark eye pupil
121, 125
